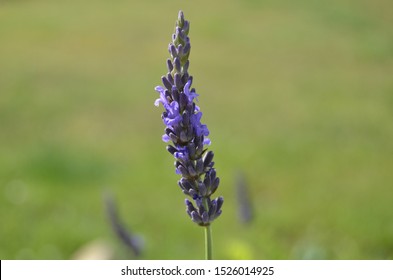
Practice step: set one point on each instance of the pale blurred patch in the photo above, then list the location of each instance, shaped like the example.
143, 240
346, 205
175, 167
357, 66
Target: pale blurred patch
97, 249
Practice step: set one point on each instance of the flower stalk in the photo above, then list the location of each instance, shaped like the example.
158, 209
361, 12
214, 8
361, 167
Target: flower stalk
208, 243
187, 136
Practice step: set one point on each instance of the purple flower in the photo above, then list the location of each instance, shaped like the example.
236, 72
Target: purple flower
172, 115
191, 94
182, 118
200, 129
162, 98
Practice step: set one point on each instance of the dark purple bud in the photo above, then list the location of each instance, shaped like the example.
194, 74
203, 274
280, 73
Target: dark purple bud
178, 129
173, 137
193, 193
185, 77
212, 208
172, 50
199, 166
178, 31
201, 209
180, 50
214, 185
183, 189
186, 27
178, 82
183, 136
191, 108
205, 217
169, 65
199, 145
189, 205
168, 95
207, 181
216, 215
183, 100
198, 202
212, 173
181, 186
180, 20
175, 94
190, 134
200, 150
181, 37
183, 171
207, 159
191, 171
166, 83
186, 118
177, 65
185, 67
171, 149
187, 48
195, 217
197, 140
186, 184
168, 131
170, 78
191, 150
220, 202
202, 189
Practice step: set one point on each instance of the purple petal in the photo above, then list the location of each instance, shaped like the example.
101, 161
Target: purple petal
162, 98
172, 117
206, 141
200, 129
166, 138
181, 154
191, 94
157, 102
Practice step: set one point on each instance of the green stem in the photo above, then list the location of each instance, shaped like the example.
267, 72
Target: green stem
208, 236
208, 243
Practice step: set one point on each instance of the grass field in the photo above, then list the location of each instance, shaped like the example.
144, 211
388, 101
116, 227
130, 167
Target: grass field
297, 95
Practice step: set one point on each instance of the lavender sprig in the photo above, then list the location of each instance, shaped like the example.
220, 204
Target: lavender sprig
188, 135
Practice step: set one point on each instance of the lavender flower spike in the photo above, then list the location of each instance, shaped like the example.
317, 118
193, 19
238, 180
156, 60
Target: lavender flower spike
187, 134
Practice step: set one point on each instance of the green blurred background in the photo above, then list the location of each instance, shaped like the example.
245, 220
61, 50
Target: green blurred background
298, 96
